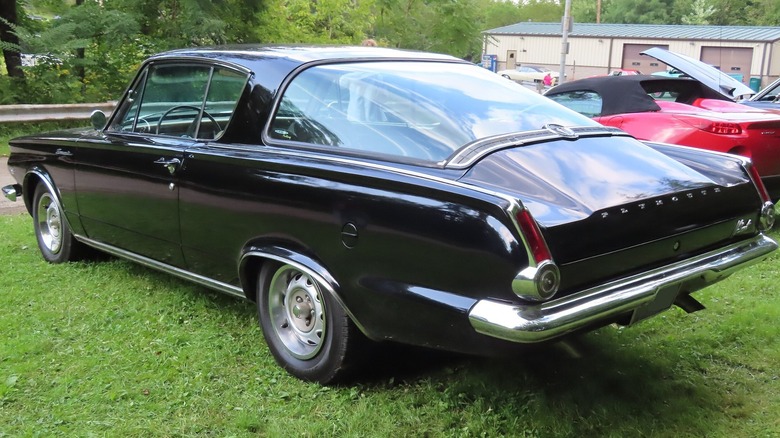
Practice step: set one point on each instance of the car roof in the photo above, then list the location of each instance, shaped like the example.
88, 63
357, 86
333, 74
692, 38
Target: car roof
276, 62
300, 54
629, 93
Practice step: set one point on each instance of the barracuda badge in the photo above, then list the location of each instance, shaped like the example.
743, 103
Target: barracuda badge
561, 130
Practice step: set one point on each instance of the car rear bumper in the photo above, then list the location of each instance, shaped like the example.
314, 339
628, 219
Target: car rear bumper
12, 191
643, 295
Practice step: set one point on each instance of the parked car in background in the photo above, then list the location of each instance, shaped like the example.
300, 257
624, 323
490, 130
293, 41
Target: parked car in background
679, 111
364, 193
669, 73
624, 72
768, 98
529, 73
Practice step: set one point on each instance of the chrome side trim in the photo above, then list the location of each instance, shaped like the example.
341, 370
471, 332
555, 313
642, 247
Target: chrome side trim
474, 151
173, 270
528, 323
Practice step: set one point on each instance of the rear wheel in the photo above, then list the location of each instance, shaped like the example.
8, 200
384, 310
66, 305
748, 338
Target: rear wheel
55, 239
305, 328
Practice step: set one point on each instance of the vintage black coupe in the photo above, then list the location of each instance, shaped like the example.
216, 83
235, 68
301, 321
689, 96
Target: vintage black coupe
368, 193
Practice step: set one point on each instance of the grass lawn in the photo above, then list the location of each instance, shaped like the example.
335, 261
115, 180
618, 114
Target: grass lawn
110, 348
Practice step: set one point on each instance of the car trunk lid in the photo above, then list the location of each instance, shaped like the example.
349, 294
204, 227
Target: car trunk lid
706, 74
612, 206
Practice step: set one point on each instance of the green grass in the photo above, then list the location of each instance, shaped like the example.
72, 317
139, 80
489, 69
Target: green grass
113, 349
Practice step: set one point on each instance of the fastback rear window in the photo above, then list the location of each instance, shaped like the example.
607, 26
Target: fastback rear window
420, 110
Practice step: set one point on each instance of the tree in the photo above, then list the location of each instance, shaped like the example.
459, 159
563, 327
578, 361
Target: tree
324, 21
181, 23
641, 12
499, 13
9, 41
456, 28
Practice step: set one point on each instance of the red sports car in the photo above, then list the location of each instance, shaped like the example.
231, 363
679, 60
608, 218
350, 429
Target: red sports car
680, 111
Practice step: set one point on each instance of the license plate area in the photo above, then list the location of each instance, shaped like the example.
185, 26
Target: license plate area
663, 301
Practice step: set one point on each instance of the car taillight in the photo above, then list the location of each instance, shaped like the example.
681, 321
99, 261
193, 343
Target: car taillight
533, 234
724, 128
766, 219
757, 181
721, 128
542, 278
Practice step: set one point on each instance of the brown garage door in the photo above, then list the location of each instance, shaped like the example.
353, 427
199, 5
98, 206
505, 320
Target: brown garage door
734, 61
632, 60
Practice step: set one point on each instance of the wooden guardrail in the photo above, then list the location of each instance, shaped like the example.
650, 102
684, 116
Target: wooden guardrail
40, 113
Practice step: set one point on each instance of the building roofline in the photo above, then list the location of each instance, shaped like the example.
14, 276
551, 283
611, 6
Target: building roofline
645, 31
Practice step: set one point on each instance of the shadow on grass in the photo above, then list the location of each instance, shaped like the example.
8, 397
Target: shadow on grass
593, 383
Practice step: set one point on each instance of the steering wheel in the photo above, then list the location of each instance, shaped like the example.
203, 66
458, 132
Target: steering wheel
189, 107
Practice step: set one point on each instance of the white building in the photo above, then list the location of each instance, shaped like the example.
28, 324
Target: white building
744, 52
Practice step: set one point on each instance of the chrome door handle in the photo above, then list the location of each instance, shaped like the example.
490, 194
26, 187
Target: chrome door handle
172, 165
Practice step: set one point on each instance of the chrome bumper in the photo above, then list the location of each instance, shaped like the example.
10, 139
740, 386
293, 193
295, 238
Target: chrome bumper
536, 322
12, 192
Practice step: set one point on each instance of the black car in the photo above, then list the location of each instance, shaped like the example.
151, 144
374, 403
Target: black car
358, 193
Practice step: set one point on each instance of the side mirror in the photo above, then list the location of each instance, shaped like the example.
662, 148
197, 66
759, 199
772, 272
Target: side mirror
98, 119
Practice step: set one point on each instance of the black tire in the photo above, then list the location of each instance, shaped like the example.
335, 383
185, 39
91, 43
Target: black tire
306, 329
55, 240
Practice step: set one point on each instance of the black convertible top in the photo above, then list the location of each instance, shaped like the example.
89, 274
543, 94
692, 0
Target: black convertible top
630, 94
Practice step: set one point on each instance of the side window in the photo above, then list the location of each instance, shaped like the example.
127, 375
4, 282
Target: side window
125, 120
224, 91
190, 101
172, 99
587, 103
369, 112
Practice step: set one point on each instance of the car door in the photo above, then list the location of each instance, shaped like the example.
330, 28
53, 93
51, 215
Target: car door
127, 179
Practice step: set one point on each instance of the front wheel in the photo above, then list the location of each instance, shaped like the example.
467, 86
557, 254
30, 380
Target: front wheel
55, 240
306, 329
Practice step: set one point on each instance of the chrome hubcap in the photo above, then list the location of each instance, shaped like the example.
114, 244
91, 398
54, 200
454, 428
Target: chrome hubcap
50, 223
297, 312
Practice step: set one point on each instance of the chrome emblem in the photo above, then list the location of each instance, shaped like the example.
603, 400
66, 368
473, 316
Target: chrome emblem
561, 130
743, 225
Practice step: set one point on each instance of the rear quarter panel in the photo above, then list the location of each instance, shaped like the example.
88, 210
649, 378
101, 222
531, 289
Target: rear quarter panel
425, 247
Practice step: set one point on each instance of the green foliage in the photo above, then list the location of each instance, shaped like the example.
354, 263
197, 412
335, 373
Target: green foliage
456, 28
499, 13
446, 26
640, 12
324, 22
96, 46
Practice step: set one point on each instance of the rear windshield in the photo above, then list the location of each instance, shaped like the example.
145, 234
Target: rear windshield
419, 110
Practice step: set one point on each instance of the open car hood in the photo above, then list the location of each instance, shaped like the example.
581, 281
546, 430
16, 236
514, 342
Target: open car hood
706, 74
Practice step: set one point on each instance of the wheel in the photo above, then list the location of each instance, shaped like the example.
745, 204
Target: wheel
55, 240
307, 331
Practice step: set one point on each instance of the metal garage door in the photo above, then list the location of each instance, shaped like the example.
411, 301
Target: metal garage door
734, 61
633, 61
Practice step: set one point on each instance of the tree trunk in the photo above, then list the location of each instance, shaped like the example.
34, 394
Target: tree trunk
13, 60
80, 60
